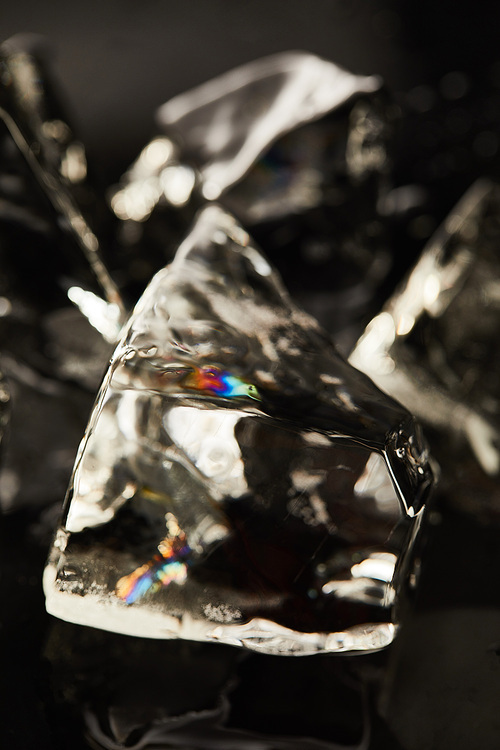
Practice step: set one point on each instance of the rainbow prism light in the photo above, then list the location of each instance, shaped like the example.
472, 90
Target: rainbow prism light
168, 565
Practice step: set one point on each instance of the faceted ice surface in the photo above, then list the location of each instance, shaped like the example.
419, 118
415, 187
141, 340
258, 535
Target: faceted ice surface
238, 481
434, 346
247, 109
296, 148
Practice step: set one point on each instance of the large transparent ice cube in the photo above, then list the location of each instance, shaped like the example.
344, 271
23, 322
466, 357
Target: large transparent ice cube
238, 480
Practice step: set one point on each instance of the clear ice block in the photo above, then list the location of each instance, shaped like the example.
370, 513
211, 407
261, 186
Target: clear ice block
238, 481
296, 148
216, 134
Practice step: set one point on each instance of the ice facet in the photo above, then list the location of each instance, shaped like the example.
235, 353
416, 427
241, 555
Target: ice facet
228, 123
434, 347
238, 481
297, 149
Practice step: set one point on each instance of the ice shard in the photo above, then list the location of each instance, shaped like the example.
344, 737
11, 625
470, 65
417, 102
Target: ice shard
434, 347
295, 147
238, 481
225, 126
246, 110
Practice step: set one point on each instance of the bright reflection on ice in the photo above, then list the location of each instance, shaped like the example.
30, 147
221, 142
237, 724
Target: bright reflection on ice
369, 582
177, 183
207, 438
137, 200
378, 565
366, 590
405, 324
142, 184
103, 448
375, 483
5, 307
104, 316
211, 191
432, 287
374, 345
74, 163
156, 154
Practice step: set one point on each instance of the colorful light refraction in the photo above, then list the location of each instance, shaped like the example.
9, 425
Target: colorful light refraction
220, 382
169, 565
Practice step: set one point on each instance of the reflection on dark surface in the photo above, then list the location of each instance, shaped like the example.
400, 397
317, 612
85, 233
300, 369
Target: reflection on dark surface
199, 695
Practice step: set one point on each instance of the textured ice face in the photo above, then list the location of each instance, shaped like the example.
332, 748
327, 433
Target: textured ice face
297, 149
221, 131
238, 480
226, 124
434, 346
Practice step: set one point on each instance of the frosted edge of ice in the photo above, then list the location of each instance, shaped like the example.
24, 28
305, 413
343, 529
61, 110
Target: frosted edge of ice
259, 635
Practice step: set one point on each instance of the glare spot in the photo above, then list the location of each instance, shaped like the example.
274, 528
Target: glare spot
211, 191
177, 183
405, 324
57, 130
137, 200
432, 288
102, 315
5, 307
74, 163
239, 236
379, 565
219, 237
258, 262
157, 153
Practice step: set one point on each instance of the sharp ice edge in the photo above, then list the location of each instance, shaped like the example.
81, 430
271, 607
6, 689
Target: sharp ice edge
263, 636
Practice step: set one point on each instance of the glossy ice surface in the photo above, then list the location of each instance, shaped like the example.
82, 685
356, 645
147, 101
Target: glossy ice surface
225, 125
238, 481
434, 346
296, 148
